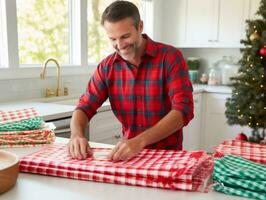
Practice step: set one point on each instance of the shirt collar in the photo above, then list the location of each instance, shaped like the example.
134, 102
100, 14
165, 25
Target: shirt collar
150, 49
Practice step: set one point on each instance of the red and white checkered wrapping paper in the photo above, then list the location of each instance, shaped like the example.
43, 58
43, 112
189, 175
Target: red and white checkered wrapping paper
26, 138
17, 115
251, 151
168, 169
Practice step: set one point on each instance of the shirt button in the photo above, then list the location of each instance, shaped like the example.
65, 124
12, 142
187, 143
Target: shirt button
140, 125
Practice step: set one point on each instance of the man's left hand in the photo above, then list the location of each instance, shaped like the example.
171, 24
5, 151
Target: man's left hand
125, 150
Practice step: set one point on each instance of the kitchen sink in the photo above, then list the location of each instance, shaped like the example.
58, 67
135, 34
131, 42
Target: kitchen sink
65, 100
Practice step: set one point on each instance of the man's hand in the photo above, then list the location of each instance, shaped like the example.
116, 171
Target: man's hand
79, 148
125, 149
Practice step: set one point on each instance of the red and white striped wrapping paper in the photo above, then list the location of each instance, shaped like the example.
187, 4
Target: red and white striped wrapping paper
168, 169
251, 151
17, 115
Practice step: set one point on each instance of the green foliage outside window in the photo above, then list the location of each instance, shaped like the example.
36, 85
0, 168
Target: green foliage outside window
42, 30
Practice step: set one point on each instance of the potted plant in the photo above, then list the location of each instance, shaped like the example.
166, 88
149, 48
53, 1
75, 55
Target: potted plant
193, 68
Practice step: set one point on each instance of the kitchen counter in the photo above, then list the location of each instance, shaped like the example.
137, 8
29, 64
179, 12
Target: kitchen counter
32, 186
198, 88
49, 111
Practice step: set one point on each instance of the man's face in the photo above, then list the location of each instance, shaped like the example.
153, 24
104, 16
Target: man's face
125, 37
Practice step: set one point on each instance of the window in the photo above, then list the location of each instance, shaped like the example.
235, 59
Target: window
43, 30
98, 42
69, 30
3, 37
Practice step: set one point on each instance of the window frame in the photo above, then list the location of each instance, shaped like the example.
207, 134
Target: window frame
78, 44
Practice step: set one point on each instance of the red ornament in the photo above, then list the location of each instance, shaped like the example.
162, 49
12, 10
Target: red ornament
241, 136
263, 51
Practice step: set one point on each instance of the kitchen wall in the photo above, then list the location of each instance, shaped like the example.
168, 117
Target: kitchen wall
30, 88
208, 56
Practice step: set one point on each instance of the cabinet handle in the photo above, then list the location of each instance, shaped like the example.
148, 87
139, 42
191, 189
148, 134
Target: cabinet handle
213, 40
117, 136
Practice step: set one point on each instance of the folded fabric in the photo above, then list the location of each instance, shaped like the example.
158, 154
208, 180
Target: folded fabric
23, 127
17, 115
238, 176
168, 169
251, 151
28, 124
27, 138
240, 192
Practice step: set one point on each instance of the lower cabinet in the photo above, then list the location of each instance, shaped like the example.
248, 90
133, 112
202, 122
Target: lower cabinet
105, 128
192, 132
214, 127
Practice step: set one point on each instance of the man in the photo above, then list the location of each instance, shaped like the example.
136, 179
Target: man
147, 85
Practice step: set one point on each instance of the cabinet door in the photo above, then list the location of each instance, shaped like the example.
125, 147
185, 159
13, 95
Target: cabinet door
204, 23
216, 129
230, 23
174, 34
105, 128
192, 136
253, 8
199, 22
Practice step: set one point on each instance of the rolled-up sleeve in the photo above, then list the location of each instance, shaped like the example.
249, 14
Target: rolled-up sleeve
179, 86
95, 94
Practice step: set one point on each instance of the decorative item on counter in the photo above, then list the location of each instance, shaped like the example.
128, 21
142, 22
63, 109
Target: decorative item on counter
241, 136
9, 169
214, 77
193, 67
204, 78
229, 70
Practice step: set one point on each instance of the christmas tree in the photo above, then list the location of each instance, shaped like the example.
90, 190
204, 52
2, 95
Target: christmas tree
247, 105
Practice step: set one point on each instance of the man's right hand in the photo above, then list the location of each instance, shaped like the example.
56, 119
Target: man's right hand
79, 148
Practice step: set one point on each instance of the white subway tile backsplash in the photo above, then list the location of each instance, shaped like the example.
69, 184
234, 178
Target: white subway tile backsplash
24, 89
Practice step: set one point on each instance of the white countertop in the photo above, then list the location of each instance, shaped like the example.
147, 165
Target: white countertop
49, 111
197, 88
32, 186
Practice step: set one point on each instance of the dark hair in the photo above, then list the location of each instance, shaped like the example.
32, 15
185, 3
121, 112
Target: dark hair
119, 10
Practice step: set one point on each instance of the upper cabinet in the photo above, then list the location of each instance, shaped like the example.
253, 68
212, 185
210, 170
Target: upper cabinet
206, 23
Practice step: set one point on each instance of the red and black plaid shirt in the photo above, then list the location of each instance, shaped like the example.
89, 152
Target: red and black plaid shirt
141, 96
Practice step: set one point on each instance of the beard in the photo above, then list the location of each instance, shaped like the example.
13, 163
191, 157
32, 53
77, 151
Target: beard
128, 52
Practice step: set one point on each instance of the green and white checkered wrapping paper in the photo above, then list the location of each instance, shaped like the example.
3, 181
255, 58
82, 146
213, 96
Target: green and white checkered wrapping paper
30, 124
238, 176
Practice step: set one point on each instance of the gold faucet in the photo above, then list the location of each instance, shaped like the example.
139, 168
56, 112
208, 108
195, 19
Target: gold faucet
50, 92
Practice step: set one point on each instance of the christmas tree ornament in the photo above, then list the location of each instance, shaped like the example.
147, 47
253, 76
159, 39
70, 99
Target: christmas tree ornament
241, 136
254, 36
263, 51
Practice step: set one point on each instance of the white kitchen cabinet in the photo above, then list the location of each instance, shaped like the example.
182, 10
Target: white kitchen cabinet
105, 128
192, 132
215, 128
205, 23
253, 8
